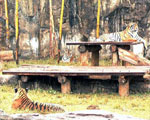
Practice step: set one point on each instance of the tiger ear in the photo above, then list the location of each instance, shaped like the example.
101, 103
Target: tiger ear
27, 90
16, 90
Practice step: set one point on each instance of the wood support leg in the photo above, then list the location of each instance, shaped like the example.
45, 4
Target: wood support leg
115, 57
123, 86
84, 59
24, 78
65, 84
95, 58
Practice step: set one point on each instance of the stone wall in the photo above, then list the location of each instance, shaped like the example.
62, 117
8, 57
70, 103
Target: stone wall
79, 20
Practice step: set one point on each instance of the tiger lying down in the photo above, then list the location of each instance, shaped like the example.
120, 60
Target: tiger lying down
130, 34
22, 101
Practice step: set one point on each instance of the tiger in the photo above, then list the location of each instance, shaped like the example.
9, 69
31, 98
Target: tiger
130, 34
22, 101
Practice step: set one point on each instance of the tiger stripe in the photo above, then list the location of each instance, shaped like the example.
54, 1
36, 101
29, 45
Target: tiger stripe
23, 102
130, 34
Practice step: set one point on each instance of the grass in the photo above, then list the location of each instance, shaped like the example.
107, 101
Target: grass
136, 105
12, 64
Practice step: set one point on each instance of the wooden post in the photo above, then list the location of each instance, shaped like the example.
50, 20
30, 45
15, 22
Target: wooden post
115, 57
95, 54
50, 28
83, 55
7, 22
98, 18
17, 32
24, 78
60, 30
123, 86
95, 58
65, 84
84, 58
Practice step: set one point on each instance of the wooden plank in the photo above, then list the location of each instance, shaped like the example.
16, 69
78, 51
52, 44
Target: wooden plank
103, 43
130, 57
77, 70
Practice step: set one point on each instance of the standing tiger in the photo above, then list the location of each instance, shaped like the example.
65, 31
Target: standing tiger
21, 101
130, 34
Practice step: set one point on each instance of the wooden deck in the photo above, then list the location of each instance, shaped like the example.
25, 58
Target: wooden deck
124, 73
77, 70
102, 43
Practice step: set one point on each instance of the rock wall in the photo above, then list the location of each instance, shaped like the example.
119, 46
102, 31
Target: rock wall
78, 24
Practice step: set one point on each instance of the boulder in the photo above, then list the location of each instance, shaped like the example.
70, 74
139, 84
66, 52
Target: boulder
10, 79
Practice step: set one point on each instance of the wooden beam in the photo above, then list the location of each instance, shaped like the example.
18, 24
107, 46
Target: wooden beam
130, 57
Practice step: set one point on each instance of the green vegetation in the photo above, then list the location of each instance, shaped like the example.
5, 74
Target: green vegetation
136, 105
12, 64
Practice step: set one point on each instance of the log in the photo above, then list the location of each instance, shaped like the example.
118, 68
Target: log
6, 55
130, 57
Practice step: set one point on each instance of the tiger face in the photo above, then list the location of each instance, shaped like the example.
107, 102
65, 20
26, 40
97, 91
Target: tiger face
132, 28
19, 92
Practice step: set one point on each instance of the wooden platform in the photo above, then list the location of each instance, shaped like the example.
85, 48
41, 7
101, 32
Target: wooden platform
77, 70
64, 73
103, 43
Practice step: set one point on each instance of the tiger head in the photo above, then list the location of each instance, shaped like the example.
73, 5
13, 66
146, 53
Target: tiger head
132, 28
19, 92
